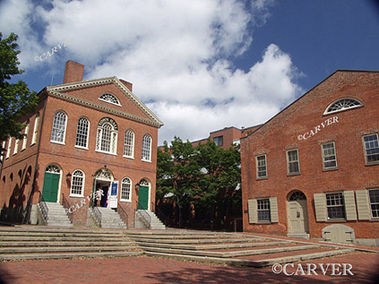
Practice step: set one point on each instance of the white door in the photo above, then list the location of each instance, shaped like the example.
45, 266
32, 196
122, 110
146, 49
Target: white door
297, 217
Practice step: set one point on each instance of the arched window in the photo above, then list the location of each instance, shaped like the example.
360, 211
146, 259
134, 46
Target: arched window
126, 193
129, 144
77, 183
35, 130
146, 148
109, 98
59, 127
342, 104
106, 140
25, 139
82, 133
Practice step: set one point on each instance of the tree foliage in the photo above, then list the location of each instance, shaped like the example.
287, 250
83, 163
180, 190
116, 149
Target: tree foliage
16, 100
202, 181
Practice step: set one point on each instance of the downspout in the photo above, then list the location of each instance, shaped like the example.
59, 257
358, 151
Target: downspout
30, 200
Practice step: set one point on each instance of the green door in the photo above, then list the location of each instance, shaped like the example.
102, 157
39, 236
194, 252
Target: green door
50, 187
143, 197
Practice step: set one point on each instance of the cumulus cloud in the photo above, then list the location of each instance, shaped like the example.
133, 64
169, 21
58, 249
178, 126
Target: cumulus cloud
178, 54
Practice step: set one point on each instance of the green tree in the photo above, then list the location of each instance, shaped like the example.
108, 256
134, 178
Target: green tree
16, 100
218, 192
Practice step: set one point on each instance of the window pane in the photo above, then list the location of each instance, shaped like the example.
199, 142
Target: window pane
374, 200
372, 148
129, 143
82, 132
125, 189
335, 205
263, 206
146, 148
77, 183
59, 127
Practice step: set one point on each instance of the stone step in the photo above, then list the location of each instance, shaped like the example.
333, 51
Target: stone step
64, 234
69, 255
254, 263
213, 247
192, 241
65, 243
230, 254
53, 238
56, 230
64, 249
183, 237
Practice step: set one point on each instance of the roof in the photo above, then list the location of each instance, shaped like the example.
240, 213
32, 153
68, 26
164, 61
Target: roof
58, 91
305, 94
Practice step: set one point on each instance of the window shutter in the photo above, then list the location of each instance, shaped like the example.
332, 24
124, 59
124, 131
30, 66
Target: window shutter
363, 205
351, 213
320, 207
274, 210
253, 211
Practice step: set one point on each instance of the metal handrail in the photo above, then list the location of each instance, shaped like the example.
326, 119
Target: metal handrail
44, 209
145, 217
66, 204
123, 214
97, 214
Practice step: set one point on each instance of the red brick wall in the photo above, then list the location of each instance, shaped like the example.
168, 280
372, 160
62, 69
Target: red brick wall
280, 134
70, 158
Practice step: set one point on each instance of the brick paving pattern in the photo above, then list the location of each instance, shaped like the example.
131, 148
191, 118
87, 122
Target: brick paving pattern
145, 269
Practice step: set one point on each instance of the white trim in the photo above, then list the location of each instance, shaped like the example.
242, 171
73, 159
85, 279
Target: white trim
130, 192
64, 131
257, 167
288, 162
60, 180
35, 130
9, 146
83, 184
344, 109
108, 93
87, 134
25, 139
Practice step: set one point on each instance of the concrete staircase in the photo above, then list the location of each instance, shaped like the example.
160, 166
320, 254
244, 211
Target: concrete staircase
31, 242
57, 215
231, 248
110, 219
147, 219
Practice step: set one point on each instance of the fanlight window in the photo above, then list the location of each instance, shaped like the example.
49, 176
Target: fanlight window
342, 105
53, 169
106, 140
59, 127
146, 148
109, 98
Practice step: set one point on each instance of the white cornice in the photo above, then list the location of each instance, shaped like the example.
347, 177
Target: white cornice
58, 91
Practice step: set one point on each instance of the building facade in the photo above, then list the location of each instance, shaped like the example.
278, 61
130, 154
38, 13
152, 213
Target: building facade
85, 136
312, 171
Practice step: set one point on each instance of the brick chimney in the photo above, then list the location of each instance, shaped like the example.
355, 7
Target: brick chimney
127, 84
73, 72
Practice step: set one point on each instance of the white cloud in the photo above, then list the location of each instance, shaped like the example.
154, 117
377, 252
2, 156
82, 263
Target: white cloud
177, 53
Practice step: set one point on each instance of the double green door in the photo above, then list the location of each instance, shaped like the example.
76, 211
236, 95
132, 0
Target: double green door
50, 187
143, 197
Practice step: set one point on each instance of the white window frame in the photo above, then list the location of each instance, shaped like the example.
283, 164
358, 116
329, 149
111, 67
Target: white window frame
57, 127
9, 146
113, 136
373, 203
258, 166
327, 111
288, 162
130, 189
267, 201
35, 130
144, 148
109, 101
86, 134
130, 145
343, 205
15, 149
2, 154
365, 148
325, 156
73, 183
25, 139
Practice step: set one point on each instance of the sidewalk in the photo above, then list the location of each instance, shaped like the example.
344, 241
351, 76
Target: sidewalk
143, 269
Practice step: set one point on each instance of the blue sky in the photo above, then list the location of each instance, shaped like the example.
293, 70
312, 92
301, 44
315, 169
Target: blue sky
200, 65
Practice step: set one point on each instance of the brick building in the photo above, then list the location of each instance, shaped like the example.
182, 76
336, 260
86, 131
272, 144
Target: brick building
312, 171
85, 136
227, 137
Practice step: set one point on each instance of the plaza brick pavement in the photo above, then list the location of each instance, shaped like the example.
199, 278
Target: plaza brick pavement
143, 269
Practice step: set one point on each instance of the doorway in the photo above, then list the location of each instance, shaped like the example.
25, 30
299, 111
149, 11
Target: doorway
51, 183
143, 195
297, 214
101, 193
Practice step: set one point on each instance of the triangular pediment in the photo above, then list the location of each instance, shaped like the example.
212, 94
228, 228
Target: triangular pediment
88, 93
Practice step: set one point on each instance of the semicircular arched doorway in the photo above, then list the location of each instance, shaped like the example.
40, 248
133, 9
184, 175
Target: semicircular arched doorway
297, 215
